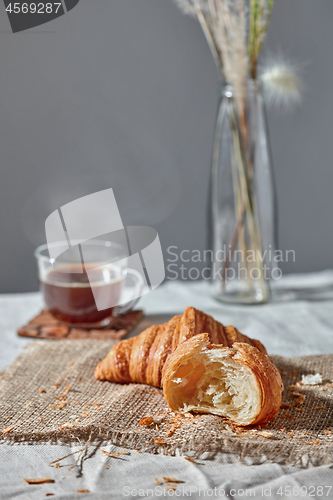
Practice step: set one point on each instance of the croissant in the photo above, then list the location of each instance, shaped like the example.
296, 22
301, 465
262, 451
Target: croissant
241, 383
141, 359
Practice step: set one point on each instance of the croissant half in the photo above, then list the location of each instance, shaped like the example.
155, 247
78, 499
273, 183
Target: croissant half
141, 359
241, 383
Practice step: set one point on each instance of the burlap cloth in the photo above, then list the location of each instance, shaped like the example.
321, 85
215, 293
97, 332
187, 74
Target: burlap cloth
49, 394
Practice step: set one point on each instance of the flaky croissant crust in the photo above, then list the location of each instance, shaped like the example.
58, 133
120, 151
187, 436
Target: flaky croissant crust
243, 366
141, 359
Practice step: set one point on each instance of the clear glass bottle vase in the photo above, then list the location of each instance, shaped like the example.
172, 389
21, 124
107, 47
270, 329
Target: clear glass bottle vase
243, 223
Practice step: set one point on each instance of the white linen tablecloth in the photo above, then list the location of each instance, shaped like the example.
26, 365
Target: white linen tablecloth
290, 328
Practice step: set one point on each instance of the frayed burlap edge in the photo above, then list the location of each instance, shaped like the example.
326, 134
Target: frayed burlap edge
242, 451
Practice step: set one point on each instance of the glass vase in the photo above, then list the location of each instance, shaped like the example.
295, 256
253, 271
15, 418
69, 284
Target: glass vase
243, 223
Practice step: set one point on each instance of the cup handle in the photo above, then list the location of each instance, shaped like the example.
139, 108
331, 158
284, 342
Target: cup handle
136, 293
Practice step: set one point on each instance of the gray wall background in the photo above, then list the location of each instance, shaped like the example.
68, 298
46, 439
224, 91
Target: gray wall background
123, 94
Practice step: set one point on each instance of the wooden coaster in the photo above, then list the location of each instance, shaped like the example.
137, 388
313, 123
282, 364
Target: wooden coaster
46, 326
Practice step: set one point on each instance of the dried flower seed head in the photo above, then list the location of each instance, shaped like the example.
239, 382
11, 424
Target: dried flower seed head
186, 6
281, 83
235, 31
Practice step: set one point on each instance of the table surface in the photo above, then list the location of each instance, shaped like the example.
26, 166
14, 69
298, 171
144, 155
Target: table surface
290, 328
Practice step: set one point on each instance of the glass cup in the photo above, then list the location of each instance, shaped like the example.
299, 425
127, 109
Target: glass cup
88, 292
